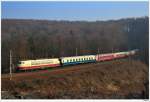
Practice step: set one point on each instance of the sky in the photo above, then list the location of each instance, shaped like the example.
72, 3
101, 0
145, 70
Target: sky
73, 11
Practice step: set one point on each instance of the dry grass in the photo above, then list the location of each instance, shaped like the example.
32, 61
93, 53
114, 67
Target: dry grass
114, 79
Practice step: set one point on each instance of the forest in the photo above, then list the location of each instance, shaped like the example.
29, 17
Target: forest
34, 39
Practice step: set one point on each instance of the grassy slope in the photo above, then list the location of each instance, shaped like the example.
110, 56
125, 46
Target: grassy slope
114, 79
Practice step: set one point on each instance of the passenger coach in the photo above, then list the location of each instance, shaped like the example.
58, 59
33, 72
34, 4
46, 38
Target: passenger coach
105, 57
78, 60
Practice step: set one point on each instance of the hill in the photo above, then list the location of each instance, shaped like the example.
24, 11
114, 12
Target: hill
118, 79
32, 39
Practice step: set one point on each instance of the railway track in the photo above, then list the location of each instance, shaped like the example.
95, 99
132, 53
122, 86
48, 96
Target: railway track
54, 71
59, 70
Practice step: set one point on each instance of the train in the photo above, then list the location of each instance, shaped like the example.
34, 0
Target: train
73, 60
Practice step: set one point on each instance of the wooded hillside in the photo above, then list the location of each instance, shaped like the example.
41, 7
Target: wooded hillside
30, 39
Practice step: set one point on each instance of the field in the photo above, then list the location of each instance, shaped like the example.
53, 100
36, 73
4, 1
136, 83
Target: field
118, 79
